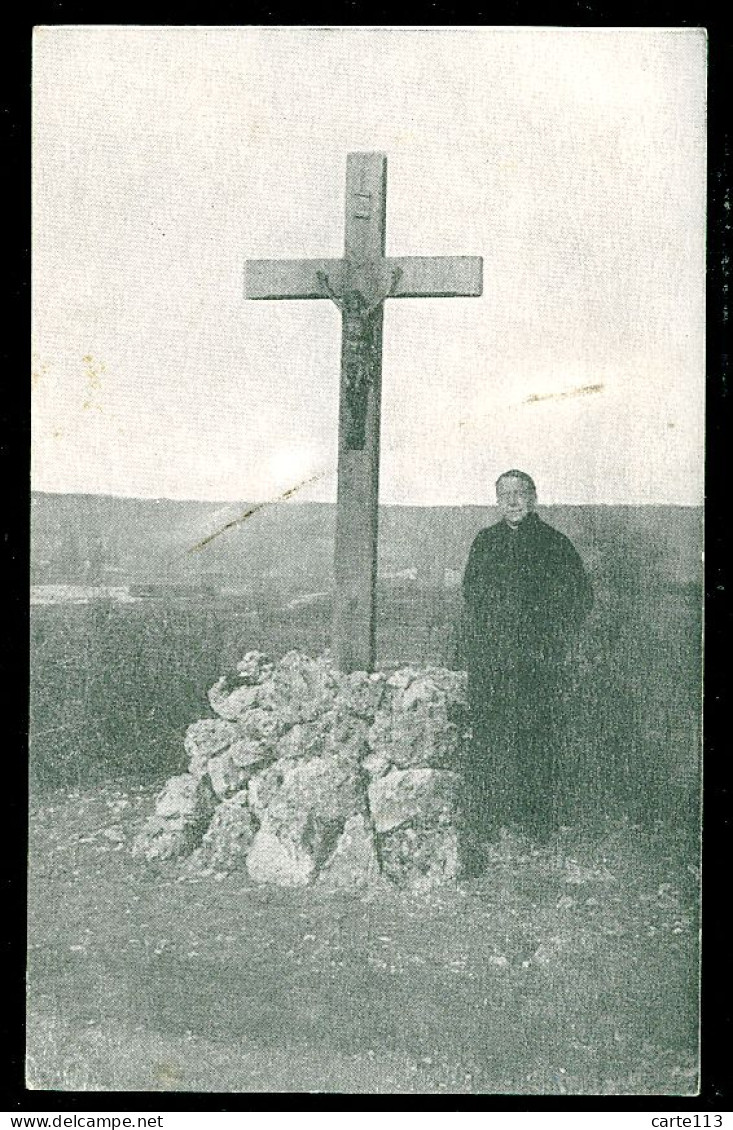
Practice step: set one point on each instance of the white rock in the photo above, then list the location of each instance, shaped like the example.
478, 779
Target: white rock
283, 862
402, 678
305, 803
261, 726
225, 775
289, 791
354, 862
361, 694
421, 857
403, 795
376, 764
301, 689
230, 835
232, 703
346, 736
206, 738
309, 743
249, 755
183, 810
304, 739
160, 841
254, 667
185, 796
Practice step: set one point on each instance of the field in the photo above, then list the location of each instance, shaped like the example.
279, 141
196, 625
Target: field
569, 968
564, 970
113, 686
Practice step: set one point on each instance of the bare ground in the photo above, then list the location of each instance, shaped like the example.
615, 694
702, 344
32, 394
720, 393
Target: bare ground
567, 969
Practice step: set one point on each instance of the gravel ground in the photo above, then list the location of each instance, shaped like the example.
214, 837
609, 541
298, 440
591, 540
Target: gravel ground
566, 969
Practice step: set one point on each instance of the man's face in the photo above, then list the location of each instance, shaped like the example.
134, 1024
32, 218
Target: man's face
515, 499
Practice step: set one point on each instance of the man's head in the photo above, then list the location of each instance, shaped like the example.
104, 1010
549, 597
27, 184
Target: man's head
516, 496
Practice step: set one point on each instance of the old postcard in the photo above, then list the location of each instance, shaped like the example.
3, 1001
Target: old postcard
368, 379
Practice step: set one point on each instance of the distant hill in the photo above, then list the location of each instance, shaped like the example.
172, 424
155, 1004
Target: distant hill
97, 539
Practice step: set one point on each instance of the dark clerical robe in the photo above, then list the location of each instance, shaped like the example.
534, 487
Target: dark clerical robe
526, 594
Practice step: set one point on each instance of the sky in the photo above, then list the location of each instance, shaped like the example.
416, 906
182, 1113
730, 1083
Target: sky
572, 160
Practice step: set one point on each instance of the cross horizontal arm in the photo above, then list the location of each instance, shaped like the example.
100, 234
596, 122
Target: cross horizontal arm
290, 278
438, 276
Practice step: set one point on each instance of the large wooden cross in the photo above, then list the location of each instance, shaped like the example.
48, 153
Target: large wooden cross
359, 284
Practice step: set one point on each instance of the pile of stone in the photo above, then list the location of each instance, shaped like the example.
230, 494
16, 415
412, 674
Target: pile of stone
308, 775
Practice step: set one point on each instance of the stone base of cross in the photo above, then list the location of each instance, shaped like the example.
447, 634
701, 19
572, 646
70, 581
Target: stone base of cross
359, 283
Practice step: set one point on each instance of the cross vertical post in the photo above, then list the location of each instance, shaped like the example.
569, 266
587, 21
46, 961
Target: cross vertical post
358, 284
357, 510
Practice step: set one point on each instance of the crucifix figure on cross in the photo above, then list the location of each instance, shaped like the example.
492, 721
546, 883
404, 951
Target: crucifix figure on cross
361, 354
358, 284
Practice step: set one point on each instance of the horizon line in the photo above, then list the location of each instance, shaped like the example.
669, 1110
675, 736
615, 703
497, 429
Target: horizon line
323, 502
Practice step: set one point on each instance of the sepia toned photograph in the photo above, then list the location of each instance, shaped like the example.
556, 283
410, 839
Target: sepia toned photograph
368, 377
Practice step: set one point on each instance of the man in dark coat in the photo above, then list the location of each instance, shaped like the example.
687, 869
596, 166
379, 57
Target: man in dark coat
526, 594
